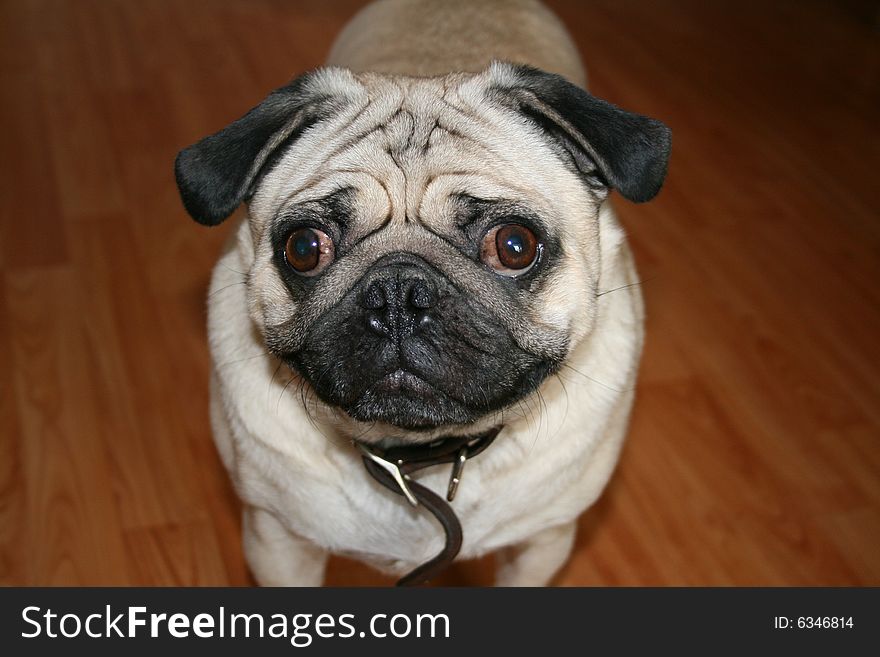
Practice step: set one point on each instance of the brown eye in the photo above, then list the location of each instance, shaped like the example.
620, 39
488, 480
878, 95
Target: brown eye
510, 249
308, 251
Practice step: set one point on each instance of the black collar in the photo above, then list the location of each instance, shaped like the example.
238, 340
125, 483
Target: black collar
392, 467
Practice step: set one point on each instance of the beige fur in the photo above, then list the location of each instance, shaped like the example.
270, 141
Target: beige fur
305, 491
427, 38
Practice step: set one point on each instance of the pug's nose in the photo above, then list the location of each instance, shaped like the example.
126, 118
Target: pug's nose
397, 304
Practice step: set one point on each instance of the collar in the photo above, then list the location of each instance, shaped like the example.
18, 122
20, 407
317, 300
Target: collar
392, 468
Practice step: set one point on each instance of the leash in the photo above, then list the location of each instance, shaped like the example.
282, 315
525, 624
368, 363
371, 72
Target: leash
392, 468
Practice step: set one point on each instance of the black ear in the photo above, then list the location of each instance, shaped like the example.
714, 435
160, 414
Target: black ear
216, 174
630, 151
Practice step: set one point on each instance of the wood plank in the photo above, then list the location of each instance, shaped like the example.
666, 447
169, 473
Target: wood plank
71, 534
754, 451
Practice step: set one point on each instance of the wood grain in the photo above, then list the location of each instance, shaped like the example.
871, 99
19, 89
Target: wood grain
754, 454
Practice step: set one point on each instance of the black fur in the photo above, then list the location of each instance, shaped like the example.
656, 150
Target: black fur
449, 361
626, 151
216, 174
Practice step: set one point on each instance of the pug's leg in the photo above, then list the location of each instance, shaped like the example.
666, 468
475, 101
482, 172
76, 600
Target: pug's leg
534, 561
275, 556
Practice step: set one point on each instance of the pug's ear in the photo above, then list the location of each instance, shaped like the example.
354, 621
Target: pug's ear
216, 174
625, 151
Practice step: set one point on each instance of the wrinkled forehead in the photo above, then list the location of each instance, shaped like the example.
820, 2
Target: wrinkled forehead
406, 146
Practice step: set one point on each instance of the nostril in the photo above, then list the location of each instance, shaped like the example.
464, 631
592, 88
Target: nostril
421, 295
374, 297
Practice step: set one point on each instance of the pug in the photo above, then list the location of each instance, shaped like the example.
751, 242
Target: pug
425, 331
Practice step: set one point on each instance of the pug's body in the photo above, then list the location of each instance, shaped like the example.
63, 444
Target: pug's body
366, 297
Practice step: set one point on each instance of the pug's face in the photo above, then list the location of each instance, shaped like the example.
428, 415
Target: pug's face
426, 249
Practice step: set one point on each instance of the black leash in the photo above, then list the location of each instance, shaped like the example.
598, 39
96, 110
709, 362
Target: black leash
392, 468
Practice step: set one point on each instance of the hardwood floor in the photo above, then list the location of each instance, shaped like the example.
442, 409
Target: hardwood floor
754, 454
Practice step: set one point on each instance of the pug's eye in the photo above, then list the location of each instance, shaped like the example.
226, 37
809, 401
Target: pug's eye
510, 249
308, 251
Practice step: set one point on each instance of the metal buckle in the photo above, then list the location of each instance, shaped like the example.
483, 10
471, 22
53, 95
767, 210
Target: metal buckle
455, 477
394, 470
